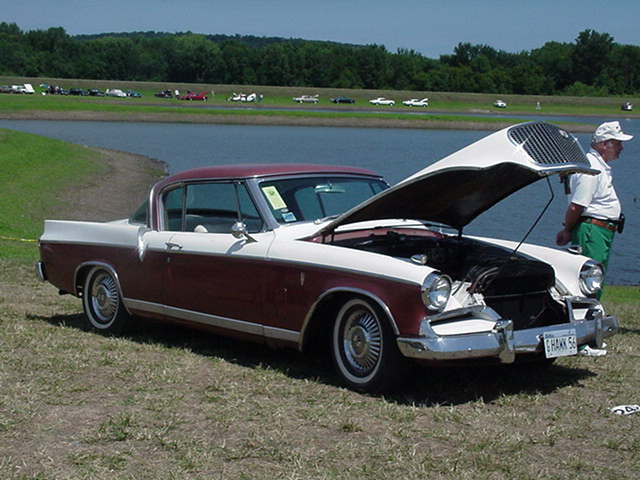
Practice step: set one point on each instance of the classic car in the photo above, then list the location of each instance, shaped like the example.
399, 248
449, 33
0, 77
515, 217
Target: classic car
341, 99
306, 256
78, 92
25, 88
190, 96
94, 92
164, 94
306, 99
242, 97
133, 94
500, 104
382, 101
415, 102
115, 92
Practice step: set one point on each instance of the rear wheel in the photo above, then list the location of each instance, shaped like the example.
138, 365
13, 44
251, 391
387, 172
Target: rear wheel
102, 302
364, 351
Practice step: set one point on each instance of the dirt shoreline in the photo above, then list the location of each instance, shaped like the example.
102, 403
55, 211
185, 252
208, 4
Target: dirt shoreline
122, 185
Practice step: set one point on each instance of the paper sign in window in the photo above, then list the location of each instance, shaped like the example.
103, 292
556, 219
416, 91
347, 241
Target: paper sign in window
274, 198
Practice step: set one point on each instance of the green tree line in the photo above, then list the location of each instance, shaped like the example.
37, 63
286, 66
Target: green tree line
593, 65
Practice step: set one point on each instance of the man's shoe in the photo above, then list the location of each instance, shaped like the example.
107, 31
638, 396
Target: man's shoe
587, 351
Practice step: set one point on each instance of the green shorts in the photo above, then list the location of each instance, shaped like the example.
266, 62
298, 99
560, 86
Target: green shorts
595, 241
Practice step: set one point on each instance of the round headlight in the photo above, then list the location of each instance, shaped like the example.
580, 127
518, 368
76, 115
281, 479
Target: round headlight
436, 290
591, 277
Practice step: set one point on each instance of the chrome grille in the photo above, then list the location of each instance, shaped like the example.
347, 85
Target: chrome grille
548, 144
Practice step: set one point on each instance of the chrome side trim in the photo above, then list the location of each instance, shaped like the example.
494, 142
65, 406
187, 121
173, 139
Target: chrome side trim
282, 334
150, 307
214, 320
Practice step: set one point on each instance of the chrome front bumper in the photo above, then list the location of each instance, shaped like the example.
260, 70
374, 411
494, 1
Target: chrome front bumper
503, 342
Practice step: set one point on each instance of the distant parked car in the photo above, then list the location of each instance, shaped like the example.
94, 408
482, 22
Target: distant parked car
133, 94
77, 92
626, 107
164, 94
26, 88
382, 101
500, 104
414, 102
190, 96
242, 97
5, 89
96, 93
341, 99
306, 99
116, 93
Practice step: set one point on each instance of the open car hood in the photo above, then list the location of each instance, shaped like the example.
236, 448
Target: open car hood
458, 188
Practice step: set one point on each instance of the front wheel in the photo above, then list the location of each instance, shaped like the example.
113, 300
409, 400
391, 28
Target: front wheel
102, 302
363, 350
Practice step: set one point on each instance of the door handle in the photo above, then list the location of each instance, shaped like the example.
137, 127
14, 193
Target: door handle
173, 246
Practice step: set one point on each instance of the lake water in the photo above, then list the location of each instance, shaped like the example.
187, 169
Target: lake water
394, 153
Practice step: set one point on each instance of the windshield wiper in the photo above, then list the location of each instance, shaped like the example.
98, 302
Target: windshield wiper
327, 218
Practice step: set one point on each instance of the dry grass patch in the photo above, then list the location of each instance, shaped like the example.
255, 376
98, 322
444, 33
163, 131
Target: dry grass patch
167, 402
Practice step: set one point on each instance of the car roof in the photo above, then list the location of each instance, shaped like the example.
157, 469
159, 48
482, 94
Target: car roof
261, 170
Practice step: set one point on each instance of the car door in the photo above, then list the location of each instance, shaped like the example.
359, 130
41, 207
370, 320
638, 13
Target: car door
211, 276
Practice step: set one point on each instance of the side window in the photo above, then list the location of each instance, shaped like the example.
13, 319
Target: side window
141, 215
211, 207
172, 202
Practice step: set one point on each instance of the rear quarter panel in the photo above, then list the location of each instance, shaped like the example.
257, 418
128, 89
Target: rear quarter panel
66, 245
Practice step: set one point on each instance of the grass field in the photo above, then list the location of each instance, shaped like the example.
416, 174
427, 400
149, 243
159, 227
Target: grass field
278, 107
170, 403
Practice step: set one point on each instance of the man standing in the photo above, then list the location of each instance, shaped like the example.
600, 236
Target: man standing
594, 212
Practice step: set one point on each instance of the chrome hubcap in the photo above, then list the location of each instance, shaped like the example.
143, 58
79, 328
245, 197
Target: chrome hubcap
362, 342
104, 298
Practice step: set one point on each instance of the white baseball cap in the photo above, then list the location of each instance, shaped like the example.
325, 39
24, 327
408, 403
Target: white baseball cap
610, 131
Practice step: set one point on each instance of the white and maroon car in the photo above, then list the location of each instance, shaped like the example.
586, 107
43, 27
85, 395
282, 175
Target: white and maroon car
382, 101
304, 255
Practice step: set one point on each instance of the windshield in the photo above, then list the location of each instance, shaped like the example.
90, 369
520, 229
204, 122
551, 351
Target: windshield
309, 198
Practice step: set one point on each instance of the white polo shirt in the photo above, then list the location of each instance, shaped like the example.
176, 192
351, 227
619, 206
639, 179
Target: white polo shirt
596, 192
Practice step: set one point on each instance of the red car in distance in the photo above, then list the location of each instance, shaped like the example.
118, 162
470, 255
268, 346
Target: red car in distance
194, 96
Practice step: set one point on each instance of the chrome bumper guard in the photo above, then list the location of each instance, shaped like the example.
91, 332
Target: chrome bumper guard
503, 342
42, 276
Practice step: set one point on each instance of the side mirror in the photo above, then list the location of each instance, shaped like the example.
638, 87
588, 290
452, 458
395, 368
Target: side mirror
239, 231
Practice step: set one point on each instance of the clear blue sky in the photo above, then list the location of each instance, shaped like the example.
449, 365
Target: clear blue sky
430, 27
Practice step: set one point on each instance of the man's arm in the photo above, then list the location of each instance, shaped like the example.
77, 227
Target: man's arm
571, 219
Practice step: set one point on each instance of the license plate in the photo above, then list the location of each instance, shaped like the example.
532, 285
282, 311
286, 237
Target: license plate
560, 343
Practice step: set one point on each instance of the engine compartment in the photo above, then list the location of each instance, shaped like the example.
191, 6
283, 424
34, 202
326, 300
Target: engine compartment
515, 286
